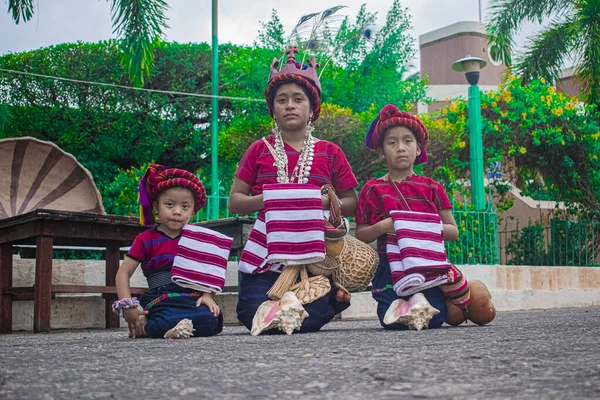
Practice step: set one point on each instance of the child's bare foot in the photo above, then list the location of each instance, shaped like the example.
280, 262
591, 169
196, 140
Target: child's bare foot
342, 296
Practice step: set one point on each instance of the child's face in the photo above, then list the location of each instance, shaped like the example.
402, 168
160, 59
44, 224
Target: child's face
174, 208
400, 148
291, 107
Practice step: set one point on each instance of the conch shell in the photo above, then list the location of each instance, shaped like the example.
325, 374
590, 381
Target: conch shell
287, 314
416, 312
183, 330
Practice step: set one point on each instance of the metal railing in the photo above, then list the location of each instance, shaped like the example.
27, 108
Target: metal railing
561, 242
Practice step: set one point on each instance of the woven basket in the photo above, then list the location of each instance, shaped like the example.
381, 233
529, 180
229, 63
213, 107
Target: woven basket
310, 289
358, 262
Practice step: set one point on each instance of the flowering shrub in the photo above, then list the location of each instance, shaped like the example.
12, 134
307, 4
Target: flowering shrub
546, 142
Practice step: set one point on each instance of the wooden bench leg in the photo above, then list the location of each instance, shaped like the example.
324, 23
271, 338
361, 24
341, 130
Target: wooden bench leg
112, 266
6, 274
42, 305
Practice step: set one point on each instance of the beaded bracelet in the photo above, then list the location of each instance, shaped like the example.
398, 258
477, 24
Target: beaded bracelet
128, 302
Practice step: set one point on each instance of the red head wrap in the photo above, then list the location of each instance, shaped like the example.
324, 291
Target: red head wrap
158, 178
391, 116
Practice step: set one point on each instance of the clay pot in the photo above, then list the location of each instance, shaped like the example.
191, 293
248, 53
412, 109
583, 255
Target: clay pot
455, 316
481, 309
334, 247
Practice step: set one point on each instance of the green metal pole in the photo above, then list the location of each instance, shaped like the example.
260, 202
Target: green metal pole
476, 149
214, 159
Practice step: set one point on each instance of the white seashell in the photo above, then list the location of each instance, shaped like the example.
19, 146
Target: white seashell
416, 312
286, 314
266, 317
40, 175
292, 314
183, 330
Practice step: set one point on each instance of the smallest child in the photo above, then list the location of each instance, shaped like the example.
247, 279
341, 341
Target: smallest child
173, 196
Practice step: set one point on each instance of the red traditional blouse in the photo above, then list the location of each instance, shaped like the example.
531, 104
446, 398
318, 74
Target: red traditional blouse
378, 198
329, 166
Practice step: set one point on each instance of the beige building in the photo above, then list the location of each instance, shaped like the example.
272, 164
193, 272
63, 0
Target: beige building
441, 48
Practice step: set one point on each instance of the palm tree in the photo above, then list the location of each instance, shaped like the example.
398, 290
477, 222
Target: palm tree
140, 23
572, 34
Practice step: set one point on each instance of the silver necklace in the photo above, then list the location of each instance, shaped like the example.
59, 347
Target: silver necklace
301, 172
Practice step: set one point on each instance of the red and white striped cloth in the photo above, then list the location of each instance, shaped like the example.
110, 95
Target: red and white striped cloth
416, 252
201, 259
289, 231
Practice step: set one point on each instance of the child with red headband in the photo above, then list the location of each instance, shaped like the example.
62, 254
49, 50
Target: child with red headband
416, 264
174, 196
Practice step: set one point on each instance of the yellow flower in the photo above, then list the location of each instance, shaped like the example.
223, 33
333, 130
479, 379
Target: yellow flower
453, 107
511, 78
500, 86
462, 144
522, 150
532, 110
551, 90
524, 115
470, 255
543, 80
543, 98
494, 104
477, 222
549, 99
447, 100
458, 249
503, 113
496, 127
559, 111
439, 123
563, 142
444, 111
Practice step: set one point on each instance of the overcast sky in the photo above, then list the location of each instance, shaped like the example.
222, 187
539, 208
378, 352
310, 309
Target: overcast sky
60, 21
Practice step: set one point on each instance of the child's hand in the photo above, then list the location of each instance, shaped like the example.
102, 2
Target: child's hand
386, 226
136, 326
208, 300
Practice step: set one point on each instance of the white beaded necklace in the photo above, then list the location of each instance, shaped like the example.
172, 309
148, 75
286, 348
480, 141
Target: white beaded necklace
302, 170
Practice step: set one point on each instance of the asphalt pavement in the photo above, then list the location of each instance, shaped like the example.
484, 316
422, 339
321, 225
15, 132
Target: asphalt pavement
529, 355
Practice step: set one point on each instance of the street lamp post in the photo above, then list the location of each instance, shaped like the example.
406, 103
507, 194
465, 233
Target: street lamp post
214, 159
471, 67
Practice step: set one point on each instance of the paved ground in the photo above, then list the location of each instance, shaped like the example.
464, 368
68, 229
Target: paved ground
536, 355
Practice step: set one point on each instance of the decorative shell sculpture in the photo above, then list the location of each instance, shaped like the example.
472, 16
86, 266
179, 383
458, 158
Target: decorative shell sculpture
183, 330
38, 174
416, 312
286, 314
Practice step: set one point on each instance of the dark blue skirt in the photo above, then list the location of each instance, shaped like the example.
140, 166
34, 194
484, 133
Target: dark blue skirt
384, 294
253, 292
167, 313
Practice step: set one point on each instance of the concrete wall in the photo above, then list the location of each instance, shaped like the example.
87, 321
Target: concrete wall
512, 287
441, 48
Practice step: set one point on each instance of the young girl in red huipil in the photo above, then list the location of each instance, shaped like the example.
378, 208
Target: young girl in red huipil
401, 138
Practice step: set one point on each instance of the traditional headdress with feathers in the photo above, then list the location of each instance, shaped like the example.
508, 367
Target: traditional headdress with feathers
311, 34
